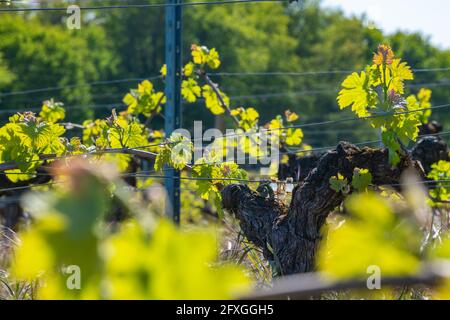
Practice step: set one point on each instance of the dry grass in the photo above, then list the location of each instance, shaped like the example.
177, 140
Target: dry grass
9, 289
6, 245
235, 248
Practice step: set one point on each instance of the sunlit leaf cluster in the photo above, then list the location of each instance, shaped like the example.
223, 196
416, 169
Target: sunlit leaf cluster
440, 173
116, 132
24, 138
389, 234
360, 182
377, 94
197, 84
176, 153
372, 235
137, 260
52, 111
285, 135
144, 100
213, 175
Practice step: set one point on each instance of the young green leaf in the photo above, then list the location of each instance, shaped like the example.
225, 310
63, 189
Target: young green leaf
362, 179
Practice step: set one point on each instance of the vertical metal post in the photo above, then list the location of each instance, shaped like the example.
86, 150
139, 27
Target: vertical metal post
380, 135
173, 34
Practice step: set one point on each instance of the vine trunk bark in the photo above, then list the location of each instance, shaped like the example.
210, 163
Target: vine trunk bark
290, 236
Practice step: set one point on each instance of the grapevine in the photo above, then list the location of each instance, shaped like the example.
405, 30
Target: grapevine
289, 234
125, 130
379, 91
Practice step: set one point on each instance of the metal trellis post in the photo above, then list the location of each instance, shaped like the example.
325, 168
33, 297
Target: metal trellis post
173, 34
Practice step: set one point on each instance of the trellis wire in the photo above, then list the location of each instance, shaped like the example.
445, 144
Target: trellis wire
296, 152
142, 6
137, 175
90, 84
316, 124
124, 150
164, 5
222, 74
310, 73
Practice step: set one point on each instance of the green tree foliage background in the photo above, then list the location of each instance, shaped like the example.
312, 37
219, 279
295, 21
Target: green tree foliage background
37, 50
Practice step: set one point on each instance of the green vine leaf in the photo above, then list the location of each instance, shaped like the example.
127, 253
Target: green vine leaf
212, 100
26, 137
396, 75
52, 111
144, 100
248, 118
340, 184
377, 94
177, 153
440, 172
190, 90
362, 179
356, 93
214, 176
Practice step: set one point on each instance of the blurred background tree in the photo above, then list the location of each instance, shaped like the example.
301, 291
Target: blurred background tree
42, 55
6, 76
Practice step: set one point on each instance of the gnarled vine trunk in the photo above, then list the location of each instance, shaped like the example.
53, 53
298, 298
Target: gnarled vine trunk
290, 236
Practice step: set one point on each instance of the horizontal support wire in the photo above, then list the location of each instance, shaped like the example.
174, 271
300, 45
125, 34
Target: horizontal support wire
72, 86
138, 175
306, 286
67, 108
144, 175
330, 148
232, 98
318, 92
221, 74
130, 151
136, 150
142, 6
29, 187
261, 96
308, 73
324, 123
